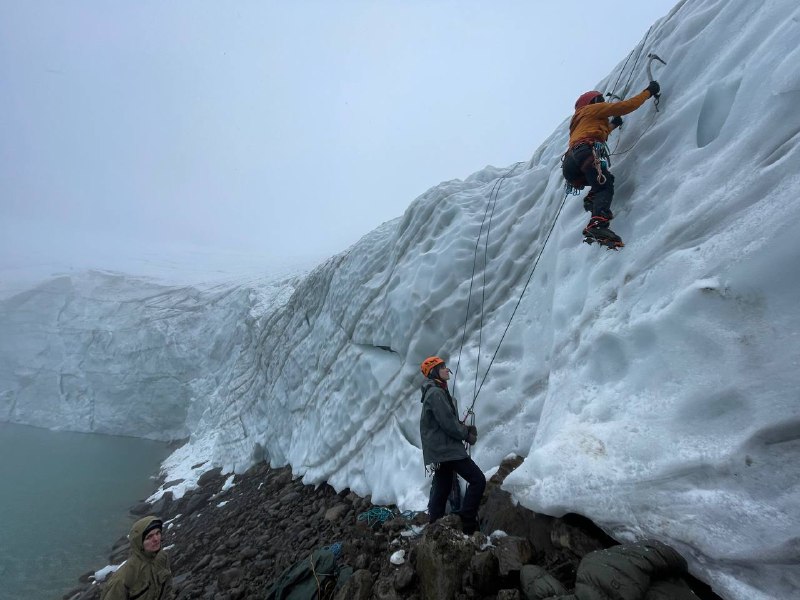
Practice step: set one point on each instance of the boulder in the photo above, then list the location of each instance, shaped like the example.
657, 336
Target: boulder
209, 477
358, 587
483, 570
161, 506
140, 509
442, 557
384, 590
512, 552
336, 513
404, 577
229, 578
196, 501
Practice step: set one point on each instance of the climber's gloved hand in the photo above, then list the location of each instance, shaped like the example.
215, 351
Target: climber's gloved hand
472, 435
654, 89
616, 121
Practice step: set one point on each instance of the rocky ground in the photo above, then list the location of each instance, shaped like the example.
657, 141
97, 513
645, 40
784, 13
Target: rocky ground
233, 544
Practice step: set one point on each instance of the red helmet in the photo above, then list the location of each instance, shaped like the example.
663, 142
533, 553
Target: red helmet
587, 98
429, 364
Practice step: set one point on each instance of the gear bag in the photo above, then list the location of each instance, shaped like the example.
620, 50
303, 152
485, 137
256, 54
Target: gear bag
312, 578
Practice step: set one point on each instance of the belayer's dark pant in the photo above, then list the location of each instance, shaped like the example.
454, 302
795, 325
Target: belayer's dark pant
598, 200
442, 485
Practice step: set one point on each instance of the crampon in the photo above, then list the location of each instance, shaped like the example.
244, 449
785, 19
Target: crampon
607, 242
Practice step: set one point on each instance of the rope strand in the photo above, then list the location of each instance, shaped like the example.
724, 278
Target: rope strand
470, 411
492, 194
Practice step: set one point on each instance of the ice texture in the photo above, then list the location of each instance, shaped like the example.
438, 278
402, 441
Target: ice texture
652, 390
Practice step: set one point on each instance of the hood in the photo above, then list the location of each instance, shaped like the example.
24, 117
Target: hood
135, 537
428, 383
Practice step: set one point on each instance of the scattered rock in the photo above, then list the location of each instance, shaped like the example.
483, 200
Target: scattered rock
272, 522
209, 477
512, 552
161, 506
404, 578
484, 571
230, 578
140, 509
195, 502
335, 513
358, 587
442, 556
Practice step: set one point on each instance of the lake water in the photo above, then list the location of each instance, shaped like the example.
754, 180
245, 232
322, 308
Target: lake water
64, 500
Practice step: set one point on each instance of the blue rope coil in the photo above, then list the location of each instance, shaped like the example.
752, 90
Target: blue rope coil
376, 514
335, 549
381, 514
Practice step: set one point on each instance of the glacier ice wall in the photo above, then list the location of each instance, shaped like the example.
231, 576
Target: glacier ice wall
653, 390
107, 353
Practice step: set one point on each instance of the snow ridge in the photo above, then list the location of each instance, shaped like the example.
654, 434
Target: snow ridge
652, 390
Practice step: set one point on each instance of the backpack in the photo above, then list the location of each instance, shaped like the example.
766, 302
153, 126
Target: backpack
312, 578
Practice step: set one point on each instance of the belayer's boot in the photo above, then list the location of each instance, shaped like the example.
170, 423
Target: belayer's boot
597, 231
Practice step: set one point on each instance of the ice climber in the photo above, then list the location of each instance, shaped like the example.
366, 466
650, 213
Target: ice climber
146, 574
583, 162
443, 451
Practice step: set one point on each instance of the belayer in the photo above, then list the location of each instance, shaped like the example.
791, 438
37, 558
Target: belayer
443, 437
584, 163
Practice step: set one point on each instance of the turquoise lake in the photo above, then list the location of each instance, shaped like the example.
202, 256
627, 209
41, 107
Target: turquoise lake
64, 501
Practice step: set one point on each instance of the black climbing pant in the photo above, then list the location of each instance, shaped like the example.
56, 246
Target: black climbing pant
598, 200
442, 485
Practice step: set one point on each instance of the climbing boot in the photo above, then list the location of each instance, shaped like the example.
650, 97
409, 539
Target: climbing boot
597, 231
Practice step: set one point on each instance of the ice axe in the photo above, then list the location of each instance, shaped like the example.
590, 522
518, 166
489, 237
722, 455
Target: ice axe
653, 56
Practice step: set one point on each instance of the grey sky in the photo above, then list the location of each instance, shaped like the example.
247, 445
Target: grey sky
278, 129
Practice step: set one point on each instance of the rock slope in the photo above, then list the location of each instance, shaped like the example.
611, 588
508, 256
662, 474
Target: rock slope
231, 538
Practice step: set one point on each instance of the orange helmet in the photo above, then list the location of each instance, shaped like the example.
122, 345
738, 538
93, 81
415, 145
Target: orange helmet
588, 98
429, 364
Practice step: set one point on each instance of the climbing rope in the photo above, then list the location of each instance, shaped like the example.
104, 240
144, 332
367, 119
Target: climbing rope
376, 514
493, 194
627, 85
470, 414
470, 411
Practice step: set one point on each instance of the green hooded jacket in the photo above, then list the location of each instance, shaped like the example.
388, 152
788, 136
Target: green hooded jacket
646, 570
145, 575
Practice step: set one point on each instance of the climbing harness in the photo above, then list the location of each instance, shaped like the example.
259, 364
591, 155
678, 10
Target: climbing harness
431, 469
601, 160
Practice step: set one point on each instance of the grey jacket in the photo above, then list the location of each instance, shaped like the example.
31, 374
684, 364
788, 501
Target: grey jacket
441, 432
